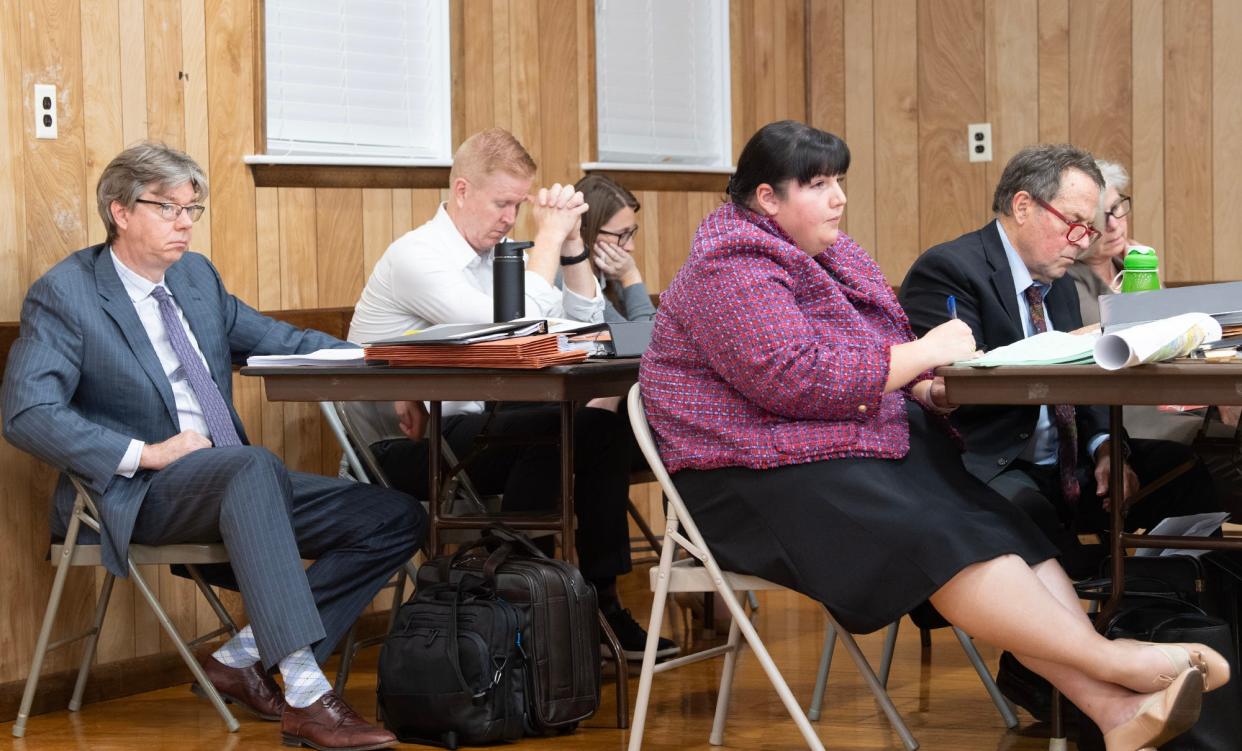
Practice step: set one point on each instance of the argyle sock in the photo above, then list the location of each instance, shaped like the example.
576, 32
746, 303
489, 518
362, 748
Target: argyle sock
304, 681
240, 651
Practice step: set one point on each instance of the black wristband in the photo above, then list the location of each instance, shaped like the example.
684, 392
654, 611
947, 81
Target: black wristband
571, 260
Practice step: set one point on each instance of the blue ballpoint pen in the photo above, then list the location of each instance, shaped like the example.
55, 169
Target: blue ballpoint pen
951, 303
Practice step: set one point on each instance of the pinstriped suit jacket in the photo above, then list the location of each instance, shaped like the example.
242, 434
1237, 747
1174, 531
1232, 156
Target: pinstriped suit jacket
83, 379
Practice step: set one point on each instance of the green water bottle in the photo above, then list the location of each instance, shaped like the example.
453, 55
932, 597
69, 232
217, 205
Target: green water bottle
1138, 272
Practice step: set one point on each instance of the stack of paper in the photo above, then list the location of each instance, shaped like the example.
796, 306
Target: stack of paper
1048, 348
526, 352
339, 357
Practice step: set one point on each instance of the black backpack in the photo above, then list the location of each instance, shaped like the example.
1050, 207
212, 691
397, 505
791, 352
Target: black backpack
452, 670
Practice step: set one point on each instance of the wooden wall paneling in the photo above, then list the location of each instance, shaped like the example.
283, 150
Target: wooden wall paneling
376, 230
559, 70
1188, 139
133, 70
825, 65
457, 78
791, 62
230, 100
338, 230
1054, 96
1100, 79
270, 249
860, 215
897, 133
298, 267
647, 248
165, 77
499, 86
402, 217
1147, 84
1012, 40
763, 27
14, 119
674, 239
53, 185
954, 197
424, 205
588, 141
1226, 148
101, 110
525, 94
478, 75
742, 80
194, 85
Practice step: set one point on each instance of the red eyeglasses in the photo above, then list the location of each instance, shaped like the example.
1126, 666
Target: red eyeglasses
1077, 231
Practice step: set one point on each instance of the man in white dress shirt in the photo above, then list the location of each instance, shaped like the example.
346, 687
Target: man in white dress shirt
441, 272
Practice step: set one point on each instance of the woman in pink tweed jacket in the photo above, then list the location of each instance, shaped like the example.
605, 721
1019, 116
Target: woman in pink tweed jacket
804, 428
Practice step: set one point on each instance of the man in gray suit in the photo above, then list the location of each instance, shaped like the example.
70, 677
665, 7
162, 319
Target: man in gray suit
122, 377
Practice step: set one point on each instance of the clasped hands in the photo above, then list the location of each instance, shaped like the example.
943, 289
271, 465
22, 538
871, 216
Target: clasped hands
557, 212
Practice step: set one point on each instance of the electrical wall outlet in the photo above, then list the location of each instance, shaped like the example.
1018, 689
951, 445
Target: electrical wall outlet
979, 141
46, 120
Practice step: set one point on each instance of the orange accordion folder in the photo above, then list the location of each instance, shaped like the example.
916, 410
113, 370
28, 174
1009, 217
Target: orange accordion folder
525, 352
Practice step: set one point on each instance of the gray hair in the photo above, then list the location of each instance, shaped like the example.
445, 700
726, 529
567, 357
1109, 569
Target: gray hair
1037, 170
1114, 175
145, 165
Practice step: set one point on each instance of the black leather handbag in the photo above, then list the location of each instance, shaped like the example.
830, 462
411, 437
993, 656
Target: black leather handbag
1163, 619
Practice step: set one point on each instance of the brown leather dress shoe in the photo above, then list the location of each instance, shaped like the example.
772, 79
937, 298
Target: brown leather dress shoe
250, 688
330, 724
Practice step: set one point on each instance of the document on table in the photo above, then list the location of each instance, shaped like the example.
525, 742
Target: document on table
1048, 348
1194, 525
1159, 340
342, 356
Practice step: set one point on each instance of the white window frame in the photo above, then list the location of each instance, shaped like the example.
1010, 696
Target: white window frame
617, 150
347, 143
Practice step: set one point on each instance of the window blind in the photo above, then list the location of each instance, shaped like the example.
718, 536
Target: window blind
358, 78
662, 81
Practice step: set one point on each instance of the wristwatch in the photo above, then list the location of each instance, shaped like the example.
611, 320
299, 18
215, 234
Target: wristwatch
571, 260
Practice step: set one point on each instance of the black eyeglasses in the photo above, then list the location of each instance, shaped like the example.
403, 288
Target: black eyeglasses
1120, 209
624, 236
1077, 230
170, 211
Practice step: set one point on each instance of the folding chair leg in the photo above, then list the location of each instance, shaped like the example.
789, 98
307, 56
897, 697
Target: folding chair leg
821, 676
622, 678
873, 683
653, 637
88, 654
1002, 705
890, 646
45, 631
212, 599
726, 686
229, 720
765, 660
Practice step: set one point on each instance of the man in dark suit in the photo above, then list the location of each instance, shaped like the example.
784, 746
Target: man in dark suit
1009, 281
122, 377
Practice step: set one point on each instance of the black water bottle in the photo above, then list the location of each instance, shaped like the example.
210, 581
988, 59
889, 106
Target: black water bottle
509, 280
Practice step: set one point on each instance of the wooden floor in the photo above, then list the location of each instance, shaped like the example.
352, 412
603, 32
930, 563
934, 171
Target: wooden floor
938, 694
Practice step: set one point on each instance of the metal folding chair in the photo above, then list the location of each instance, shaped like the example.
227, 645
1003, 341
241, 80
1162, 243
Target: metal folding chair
71, 553
705, 575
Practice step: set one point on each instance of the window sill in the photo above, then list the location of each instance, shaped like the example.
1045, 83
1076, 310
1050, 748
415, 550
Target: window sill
271, 171
663, 176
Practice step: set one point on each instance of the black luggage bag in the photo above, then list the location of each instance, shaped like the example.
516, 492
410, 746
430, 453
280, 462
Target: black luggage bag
557, 616
452, 670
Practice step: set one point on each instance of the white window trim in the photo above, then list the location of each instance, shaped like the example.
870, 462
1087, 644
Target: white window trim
648, 167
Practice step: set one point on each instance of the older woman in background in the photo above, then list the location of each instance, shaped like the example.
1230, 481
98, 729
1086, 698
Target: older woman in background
1096, 269
608, 231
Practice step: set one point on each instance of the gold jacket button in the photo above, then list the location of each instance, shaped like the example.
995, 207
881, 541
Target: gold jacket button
862, 408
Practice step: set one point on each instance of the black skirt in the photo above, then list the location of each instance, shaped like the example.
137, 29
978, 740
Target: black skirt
871, 539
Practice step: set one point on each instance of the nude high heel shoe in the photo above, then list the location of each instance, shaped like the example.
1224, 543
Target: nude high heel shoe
1212, 664
1162, 717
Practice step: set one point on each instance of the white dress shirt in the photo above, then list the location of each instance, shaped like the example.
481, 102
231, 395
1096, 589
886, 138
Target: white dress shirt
189, 413
431, 275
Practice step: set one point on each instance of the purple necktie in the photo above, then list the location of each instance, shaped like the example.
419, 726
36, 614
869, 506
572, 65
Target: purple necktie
215, 411
1063, 414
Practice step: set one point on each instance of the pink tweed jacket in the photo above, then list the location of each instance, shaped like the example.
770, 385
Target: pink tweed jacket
763, 356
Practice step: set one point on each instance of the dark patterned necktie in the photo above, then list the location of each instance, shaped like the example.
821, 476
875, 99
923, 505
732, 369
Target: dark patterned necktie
215, 411
1063, 414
